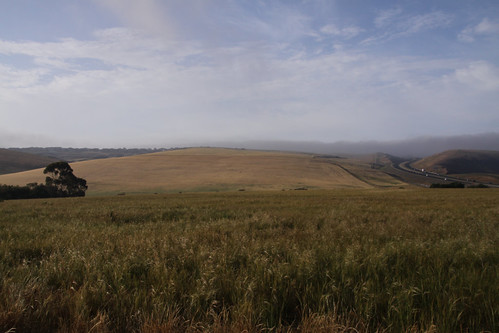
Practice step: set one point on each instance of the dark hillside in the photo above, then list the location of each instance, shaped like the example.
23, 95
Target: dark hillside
461, 162
84, 154
14, 161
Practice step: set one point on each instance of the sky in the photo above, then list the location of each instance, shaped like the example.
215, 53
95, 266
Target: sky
165, 73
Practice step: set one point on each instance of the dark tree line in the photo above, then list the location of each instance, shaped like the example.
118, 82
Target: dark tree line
456, 185
60, 182
450, 185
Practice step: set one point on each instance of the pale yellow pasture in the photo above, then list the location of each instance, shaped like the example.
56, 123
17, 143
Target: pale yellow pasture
208, 169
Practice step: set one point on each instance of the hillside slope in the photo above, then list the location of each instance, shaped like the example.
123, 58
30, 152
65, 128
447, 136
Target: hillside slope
211, 169
454, 162
84, 154
14, 161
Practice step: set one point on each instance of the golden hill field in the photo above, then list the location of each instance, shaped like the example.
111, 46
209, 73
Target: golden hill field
217, 169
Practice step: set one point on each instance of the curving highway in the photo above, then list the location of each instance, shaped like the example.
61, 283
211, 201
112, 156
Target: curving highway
406, 167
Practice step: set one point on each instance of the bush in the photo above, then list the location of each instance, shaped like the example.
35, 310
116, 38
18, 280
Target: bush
478, 186
61, 183
30, 191
451, 185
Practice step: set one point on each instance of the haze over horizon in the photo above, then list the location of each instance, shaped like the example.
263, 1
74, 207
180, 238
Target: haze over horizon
115, 73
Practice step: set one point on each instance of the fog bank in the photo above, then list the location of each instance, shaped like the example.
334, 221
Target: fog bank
416, 147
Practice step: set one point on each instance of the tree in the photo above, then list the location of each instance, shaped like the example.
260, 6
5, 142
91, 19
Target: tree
62, 179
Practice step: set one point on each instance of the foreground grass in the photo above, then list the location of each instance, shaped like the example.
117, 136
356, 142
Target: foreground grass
398, 260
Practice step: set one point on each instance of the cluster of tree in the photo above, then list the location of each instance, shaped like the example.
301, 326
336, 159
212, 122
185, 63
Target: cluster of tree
456, 185
450, 185
60, 182
478, 186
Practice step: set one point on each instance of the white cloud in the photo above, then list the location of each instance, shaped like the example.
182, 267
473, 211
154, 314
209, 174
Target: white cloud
153, 91
392, 24
479, 75
255, 76
12, 78
346, 32
147, 15
485, 28
424, 22
385, 17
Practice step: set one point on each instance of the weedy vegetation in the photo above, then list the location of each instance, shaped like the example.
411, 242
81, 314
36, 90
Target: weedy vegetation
329, 261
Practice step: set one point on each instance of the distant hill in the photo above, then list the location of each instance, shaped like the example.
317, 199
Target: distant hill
14, 161
217, 169
83, 154
454, 162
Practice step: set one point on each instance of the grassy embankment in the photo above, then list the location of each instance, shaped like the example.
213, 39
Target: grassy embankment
394, 260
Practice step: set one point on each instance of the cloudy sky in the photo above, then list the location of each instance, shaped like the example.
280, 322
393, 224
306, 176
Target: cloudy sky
129, 73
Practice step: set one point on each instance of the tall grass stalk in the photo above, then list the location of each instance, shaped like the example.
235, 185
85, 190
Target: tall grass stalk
330, 261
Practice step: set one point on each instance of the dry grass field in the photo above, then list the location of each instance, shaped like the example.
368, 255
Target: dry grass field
345, 260
359, 252
216, 169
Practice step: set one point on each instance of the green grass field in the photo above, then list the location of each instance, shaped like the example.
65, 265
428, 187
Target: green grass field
331, 261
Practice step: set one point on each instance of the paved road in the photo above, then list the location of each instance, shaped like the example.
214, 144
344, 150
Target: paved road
406, 167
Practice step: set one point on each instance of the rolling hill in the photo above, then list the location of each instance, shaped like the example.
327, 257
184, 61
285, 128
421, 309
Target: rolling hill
217, 169
482, 165
83, 154
461, 162
14, 161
